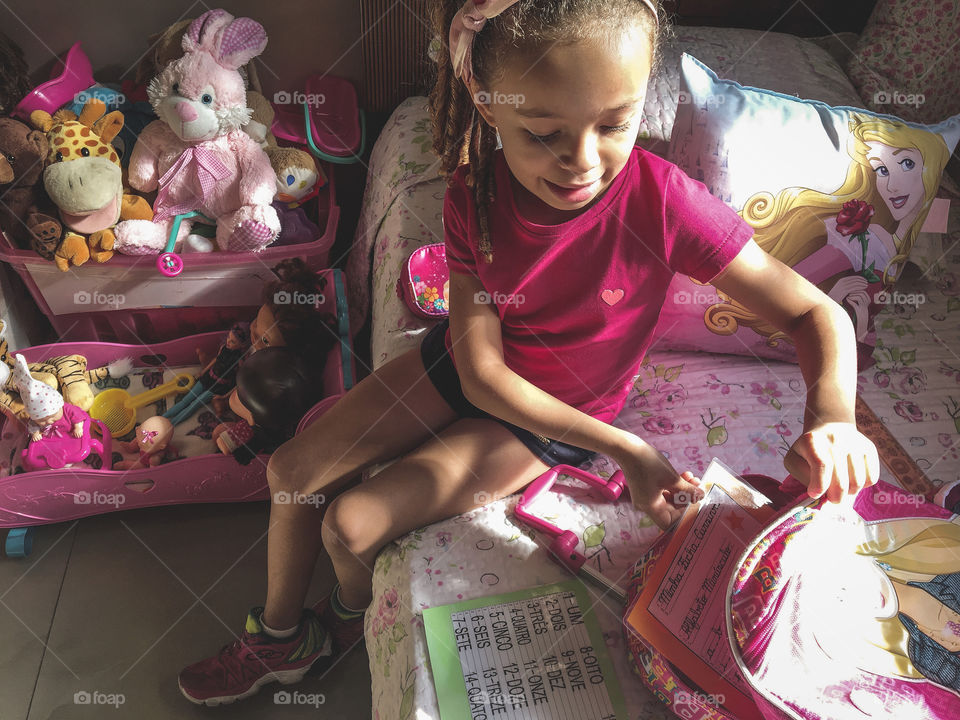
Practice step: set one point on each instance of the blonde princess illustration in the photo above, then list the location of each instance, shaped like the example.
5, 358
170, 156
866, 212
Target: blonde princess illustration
851, 242
916, 564
872, 605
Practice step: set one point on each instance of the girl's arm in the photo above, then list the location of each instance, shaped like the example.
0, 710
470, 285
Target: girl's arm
490, 385
831, 455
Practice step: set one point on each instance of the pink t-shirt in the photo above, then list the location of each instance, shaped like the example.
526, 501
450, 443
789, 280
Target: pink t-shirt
578, 301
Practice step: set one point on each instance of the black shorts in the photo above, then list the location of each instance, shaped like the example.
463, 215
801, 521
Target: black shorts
443, 374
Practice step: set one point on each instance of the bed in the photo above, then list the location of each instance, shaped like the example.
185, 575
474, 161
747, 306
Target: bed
692, 406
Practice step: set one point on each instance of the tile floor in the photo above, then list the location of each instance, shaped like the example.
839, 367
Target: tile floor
117, 604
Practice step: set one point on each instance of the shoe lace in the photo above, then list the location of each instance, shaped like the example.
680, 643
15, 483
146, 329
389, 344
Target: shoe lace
231, 649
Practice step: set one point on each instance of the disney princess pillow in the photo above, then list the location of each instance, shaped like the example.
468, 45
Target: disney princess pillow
840, 194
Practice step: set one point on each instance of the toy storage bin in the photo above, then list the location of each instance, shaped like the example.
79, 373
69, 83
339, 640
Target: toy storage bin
127, 300
48, 496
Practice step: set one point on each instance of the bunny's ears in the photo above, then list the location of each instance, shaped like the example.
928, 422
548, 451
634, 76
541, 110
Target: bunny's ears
231, 41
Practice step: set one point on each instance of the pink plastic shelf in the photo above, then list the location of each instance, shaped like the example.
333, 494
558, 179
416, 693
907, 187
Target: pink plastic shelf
214, 290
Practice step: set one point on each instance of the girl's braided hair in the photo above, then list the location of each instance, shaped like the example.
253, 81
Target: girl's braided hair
460, 135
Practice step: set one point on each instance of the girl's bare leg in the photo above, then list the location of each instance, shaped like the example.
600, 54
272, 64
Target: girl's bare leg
386, 415
471, 462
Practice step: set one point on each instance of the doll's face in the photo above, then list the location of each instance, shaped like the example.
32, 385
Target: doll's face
239, 410
233, 343
264, 331
49, 419
899, 176
154, 434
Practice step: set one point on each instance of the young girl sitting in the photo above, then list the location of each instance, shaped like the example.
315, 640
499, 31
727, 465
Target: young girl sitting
561, 247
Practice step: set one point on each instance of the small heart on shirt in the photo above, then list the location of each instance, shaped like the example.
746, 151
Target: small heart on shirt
612, 297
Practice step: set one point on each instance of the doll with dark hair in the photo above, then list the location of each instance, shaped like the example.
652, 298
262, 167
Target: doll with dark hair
218, 376
14, 75
275, 388
290, 316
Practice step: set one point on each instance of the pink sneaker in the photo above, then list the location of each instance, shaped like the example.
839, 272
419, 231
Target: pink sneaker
346, 632
255, 659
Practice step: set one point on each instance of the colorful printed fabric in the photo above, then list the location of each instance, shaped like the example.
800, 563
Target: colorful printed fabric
906, 62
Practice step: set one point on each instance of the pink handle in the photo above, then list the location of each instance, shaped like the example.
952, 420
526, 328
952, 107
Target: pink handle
564, 543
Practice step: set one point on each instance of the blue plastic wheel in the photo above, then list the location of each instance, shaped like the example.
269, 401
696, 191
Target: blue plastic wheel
19, 542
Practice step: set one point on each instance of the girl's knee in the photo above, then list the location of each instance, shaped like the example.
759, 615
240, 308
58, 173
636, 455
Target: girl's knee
283, 470
346, 525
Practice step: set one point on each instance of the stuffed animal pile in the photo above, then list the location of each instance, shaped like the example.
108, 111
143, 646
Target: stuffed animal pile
67, 374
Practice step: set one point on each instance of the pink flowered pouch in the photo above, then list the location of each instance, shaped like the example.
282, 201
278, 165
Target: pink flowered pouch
424, 283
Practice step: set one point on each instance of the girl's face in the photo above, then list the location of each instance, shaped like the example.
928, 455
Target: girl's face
899, 176
264, 331
568, 119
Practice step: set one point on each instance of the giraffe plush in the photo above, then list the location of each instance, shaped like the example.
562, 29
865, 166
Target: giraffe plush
84, 179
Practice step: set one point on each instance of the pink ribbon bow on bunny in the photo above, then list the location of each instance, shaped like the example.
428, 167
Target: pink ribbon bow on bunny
149, 435
189, 182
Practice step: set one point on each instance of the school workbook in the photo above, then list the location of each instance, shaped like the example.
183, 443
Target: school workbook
535, 654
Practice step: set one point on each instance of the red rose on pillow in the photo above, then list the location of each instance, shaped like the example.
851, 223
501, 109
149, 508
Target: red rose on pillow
854, 218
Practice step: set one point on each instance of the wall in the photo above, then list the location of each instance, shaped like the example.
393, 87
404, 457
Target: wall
306, 36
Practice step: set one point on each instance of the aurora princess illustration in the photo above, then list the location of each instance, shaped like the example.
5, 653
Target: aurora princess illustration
852, 242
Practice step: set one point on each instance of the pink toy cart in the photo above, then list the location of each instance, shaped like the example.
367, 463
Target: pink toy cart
40, 497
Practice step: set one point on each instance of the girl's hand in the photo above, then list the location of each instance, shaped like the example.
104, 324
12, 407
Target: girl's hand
833, 458
655, 487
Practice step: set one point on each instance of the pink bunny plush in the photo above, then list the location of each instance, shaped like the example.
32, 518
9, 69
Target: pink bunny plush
196, 155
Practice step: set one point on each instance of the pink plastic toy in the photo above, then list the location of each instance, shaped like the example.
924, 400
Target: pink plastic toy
75, 77
64, 451
153, 438
564, 543
327, 119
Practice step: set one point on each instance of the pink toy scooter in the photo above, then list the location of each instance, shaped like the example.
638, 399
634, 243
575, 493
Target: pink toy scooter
58, 452
564, 544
